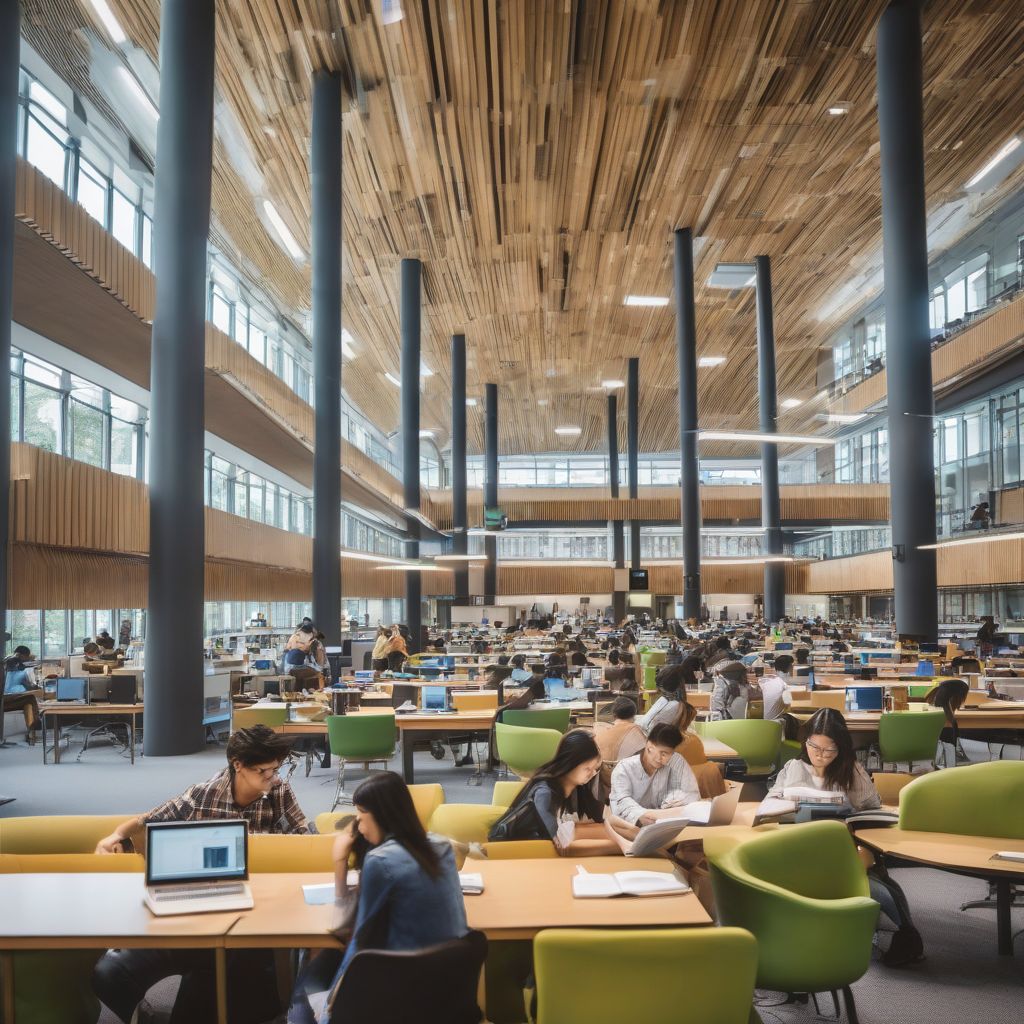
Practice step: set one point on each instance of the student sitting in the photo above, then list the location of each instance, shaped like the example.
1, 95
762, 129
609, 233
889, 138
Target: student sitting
558, 803
20, 691
248, 788
731, 693
620, 675
671, 707
827, 762
408, 896
775, 686
619, 740
652, 780
299, 644
520, 673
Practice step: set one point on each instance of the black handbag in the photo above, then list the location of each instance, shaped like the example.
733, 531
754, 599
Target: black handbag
518, 823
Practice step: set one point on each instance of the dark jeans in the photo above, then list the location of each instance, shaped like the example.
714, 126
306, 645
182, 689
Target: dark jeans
123, 976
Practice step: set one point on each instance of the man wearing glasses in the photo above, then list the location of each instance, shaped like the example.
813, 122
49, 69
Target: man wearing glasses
251, 788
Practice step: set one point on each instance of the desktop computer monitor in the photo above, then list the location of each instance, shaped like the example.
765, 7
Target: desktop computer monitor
869, 698
435, 698
75, 689
932, 648
783, 647
556, 690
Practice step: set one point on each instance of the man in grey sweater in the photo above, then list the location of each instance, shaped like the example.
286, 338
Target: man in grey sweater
653, 780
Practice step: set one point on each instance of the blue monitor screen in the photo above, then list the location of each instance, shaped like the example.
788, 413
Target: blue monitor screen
435, 698
783, 647
72, 689
869, 698
557, 690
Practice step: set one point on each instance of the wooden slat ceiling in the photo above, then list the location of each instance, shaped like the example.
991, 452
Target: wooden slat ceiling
538, 155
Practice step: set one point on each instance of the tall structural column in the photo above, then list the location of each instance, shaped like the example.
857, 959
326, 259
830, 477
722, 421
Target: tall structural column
686, 348
460, 542
491, 487
409, 314
10, 41
771, 520
908, 366
326, 178
633, 452
618, 533
174, 623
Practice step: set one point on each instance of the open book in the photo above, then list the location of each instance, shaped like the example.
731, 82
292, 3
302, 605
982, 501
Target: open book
626, 883
657, 836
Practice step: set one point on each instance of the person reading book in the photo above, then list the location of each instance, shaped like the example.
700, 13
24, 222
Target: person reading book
654, 783
558, 803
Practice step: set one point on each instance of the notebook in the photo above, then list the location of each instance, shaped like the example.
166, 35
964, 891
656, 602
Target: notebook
588, 886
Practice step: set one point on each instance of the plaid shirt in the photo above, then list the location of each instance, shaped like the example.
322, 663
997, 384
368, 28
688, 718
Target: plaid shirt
279, 811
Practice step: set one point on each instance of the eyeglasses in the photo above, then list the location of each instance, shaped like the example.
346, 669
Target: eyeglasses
267, 773
822, 751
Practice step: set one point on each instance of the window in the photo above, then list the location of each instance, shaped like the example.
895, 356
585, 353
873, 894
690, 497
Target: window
55, 634
123, 447
88, 427
92, 191
937, 310
220, 310
147, 240
46, 136
42, 425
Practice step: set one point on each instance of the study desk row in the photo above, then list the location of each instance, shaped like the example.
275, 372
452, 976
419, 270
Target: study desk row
100, 911
55, 714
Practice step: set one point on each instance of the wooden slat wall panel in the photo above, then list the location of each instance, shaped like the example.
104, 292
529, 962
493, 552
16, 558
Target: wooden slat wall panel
996, 335
1009, 508
859, 573
803, 502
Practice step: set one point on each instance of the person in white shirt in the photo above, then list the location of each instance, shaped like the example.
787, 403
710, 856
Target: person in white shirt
775, 687
653, 780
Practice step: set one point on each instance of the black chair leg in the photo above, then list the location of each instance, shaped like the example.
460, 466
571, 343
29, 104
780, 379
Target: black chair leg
851, 1006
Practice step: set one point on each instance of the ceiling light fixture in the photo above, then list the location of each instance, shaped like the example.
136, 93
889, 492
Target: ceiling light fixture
110, 23
1010, 146
471, 402
839, 109
284, 235
762, 438
366, 556
645, 300
426, 433
568, 431
460, 558
139, 93
732, 276
845, 417
611, 384
711, 360
791, 403
414, 566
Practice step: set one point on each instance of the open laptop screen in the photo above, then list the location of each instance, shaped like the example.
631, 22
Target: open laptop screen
557, 690
196, 851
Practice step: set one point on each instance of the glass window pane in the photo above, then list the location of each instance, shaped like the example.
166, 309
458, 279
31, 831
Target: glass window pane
92, 191
123, 438
39, 94
25, 630
55, 638
147, 240
45, 152
220, 311
123, 220
42, 417
88, 426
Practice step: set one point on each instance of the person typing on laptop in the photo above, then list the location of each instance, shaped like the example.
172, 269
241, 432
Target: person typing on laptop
251, 789
20, 690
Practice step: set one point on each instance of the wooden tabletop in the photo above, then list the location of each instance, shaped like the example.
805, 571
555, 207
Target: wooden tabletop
1001, 715
521, 897
716, 750
281, 917
65, 708
944, 849
96, 911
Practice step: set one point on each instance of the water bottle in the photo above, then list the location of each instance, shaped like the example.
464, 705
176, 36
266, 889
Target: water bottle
849, 699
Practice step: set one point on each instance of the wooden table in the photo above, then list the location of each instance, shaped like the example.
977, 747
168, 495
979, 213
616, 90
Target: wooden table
98, 911
991, 715
716, 750
56, 711
962, 855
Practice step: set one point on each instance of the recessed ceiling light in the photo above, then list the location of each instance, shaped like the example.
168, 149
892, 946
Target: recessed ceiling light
426, 433
791, 403
711, 360
542, 401
645, 300
471, 402
839, 109
732, 276
110, 23
1013, 144
551, 373
611, 384
568, 431
845, 417
285, 236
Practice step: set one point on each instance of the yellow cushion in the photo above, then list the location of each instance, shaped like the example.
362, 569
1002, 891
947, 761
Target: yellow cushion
520, 849
290, 853
426, 798
465, 823
53, 863
67, 833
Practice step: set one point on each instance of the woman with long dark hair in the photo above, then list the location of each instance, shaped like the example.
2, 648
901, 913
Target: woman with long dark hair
558, 803
408, 896
671, 707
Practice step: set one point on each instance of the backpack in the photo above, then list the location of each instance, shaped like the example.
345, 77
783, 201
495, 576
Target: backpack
755, 701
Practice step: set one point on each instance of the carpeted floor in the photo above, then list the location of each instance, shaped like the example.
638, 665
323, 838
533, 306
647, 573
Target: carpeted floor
961, 978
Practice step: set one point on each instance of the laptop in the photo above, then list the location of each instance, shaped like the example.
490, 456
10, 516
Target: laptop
435, 698
197, 867
73, 691
557, 690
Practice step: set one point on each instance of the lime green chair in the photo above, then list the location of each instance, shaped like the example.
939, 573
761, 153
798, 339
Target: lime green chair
525, 750
692, 974
650, 663
363, 738
788, 750
505, 792
538, 718
803, 893
919, 691
975, 800
909, 736
755, 740
465, 823
246, 718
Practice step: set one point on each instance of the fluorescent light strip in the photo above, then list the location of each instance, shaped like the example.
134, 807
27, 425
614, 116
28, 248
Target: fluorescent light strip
568, 431
645, 300
846, 417
533, 563
791, 403
754, 436
367, 556
711, 360
460, 558
610, 384
110, 23
139, 93
283, 234
414, 566
1013, 144
751, 560
984, 539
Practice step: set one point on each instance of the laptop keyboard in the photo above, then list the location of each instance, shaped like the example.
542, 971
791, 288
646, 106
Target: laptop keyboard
189, 892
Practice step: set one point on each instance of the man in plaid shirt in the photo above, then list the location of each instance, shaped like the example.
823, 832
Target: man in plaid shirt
249, 788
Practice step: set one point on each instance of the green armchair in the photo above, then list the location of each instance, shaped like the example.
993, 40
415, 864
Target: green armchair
803, 893
909, 736
538, 718
756, 740
525, 750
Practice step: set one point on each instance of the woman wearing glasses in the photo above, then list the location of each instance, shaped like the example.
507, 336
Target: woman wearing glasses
827, 762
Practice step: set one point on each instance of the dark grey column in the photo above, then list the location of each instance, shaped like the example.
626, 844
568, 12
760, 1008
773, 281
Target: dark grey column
908, 365
686, 348
774, 572
633, 452
10, 40
326, 181
174, 664
491, 487
410, 326
618, 533
460, 542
